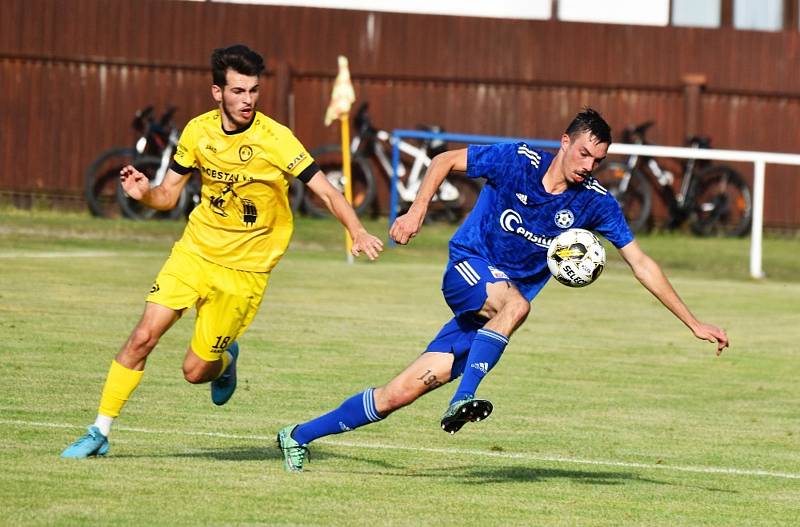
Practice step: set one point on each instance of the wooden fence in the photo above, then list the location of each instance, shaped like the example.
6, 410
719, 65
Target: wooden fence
73, 72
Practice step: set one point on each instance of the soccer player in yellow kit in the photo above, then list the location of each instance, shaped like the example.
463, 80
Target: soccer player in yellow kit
232, 240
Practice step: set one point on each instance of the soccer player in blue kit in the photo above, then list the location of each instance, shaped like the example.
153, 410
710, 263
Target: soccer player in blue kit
497, 266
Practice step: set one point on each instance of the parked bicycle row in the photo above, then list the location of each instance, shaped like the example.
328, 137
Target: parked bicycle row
712, 199
151, 154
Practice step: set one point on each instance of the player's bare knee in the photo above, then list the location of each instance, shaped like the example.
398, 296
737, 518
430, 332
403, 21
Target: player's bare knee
193, 374
142, 341
519, 309
514, 309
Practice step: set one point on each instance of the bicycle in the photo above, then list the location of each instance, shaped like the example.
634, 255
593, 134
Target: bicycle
453, 200
151, 153
156, 147
713, 198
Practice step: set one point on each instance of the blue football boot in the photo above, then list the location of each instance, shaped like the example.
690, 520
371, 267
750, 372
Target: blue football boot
222, 387
93, 443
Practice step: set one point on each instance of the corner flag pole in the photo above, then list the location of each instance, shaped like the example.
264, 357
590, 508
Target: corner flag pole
348, 181
342, 97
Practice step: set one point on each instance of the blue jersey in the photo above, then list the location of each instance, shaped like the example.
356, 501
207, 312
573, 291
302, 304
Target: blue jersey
515, 219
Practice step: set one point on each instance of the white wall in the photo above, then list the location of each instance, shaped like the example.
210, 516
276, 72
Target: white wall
525, 9
639, 12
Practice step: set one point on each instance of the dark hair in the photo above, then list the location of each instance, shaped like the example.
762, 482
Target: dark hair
239, 58
589, 120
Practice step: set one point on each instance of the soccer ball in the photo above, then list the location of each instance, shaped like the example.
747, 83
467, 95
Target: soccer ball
576, 257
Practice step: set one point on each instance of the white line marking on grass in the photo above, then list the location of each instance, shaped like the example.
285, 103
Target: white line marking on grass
459, 451
68, 254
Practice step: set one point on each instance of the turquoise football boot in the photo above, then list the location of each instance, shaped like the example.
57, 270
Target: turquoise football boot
294, 454
93, 443
222, 387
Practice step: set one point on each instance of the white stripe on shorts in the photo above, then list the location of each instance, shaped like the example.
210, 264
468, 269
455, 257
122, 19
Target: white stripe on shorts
467, 273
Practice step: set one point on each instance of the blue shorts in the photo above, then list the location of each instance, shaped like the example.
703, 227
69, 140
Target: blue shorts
464, 289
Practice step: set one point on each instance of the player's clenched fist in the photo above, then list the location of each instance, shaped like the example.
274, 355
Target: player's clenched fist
405, 227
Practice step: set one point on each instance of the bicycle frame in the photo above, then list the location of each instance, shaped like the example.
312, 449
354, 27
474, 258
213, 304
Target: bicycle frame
407, 187
166, 157
676, 202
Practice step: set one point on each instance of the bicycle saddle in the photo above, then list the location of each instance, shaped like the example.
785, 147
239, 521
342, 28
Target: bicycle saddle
699, 141
638, 131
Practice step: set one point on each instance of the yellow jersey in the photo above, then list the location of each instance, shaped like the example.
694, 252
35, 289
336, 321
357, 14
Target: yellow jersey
243, 220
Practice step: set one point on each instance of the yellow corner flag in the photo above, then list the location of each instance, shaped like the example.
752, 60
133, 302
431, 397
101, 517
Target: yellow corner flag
342, 97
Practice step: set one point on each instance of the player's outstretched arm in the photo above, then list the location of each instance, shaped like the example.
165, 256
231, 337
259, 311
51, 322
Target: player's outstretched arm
334, 200
409, 224
650, 275
163, 197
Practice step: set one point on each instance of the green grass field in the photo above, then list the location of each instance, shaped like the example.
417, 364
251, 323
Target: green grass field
607, 410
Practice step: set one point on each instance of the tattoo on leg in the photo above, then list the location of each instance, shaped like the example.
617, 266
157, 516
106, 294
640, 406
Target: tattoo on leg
429, 380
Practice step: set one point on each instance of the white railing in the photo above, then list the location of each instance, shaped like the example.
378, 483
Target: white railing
759, 160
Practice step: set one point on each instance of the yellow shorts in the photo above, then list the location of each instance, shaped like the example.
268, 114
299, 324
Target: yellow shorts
226, 299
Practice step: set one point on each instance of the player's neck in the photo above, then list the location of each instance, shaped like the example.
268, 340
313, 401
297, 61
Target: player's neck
230, 127
554, 181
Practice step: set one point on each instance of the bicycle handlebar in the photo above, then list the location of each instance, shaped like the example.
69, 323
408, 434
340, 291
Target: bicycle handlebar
166, 118
637, 134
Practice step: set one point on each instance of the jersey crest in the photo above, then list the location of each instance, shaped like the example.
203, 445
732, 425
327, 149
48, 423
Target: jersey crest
564, 218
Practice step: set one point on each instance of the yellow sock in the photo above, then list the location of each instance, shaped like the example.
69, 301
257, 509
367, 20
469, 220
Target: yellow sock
120, 384
226, 359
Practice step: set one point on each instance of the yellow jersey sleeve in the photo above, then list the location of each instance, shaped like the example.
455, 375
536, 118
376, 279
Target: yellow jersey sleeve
187, 144
289, 154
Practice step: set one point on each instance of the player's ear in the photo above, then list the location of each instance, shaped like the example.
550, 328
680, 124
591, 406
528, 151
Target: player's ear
216, 93
565, 141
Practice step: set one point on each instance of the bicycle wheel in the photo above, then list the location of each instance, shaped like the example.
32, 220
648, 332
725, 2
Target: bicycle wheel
329, 159
723, 204
635, 200
101, 179
135, 210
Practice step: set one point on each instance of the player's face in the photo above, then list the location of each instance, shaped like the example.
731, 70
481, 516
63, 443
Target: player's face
581, 156
237, 99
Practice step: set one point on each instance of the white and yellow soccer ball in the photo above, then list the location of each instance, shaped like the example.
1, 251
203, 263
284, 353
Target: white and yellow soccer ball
576, 257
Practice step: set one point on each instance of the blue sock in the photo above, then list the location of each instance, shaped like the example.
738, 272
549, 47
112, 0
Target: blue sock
356, 411
486, 349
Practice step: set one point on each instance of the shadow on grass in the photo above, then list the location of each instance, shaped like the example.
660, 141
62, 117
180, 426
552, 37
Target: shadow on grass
267, 452
472, 474
481, 475
466, 474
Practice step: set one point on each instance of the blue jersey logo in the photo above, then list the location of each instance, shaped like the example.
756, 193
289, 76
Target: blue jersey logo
511, 221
